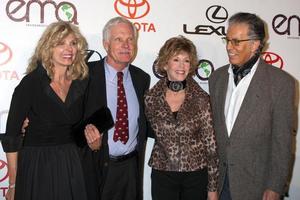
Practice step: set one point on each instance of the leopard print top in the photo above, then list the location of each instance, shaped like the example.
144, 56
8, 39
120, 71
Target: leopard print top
186, 143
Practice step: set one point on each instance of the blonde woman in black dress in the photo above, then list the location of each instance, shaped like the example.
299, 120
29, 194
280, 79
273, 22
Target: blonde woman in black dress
44, 165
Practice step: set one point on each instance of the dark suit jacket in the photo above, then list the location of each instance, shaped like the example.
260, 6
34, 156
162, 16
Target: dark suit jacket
258, 152
95, 164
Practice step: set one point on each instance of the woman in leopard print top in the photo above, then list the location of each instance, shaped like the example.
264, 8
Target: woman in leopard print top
184, 157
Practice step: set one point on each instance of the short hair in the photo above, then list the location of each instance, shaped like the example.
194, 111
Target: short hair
173, 47
114, 21
52, 36
256, 26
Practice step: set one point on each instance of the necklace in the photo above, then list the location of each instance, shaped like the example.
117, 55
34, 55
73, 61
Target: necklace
176, 86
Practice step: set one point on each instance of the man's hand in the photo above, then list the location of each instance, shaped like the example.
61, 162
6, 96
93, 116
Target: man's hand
25, 125
271, 195
93, 137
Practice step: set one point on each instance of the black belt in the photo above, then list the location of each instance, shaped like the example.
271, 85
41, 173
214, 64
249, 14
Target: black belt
123, 157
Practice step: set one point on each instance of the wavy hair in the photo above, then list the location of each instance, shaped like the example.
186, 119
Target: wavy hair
52, 36
173, 47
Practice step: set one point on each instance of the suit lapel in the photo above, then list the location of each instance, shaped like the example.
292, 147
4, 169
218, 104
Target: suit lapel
221, 98
136, 84
251, 100
101, 83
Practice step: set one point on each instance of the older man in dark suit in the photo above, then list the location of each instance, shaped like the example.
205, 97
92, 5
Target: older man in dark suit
252, 105
117, 170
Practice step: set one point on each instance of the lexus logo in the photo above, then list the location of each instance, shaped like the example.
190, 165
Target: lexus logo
5, 54
3, 170
216, 14
273, 59
204, 70
132, 9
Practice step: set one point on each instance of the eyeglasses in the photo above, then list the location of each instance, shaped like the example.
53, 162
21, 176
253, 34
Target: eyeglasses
235, 42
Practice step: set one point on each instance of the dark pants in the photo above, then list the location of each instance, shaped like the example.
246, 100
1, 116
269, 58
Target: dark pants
179, 185
121, 180
225, 194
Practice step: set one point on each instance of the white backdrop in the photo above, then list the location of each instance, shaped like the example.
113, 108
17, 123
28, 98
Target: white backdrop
204, 22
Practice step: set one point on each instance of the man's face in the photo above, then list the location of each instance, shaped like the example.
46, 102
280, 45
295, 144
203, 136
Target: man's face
121, 46
241, 53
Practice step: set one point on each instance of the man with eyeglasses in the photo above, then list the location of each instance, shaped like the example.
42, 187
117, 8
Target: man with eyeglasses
253, 108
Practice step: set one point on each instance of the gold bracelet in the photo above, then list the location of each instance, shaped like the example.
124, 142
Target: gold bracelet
12, 186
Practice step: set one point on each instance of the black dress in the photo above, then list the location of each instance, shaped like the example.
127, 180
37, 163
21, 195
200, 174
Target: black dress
49, 166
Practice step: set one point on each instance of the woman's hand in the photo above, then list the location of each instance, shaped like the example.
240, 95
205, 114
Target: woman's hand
212, 196
10, 195
93, 137
11, 158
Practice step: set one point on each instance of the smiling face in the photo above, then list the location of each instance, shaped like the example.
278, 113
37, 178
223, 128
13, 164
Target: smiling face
120, 46
178, 66
64, 52
241, 53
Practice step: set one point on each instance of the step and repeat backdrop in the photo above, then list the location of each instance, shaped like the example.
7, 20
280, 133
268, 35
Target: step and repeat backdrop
204, 22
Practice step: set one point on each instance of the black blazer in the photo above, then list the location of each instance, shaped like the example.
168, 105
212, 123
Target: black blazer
95, 164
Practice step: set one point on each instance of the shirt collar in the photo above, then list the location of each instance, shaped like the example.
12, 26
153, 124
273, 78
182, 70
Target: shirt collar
111, 73
253, 69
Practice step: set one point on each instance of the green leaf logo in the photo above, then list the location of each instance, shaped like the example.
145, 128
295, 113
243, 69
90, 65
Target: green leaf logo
66, 10
205, 67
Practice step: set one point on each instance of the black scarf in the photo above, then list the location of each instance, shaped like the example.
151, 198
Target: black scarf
241, 71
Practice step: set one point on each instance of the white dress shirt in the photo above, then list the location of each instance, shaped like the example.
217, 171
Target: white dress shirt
235, 96
118, 148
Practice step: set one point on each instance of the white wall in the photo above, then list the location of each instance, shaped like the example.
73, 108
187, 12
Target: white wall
157, 20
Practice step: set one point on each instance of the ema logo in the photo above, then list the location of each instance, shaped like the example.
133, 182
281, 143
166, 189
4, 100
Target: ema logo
273, 59
135, 9
204, 70
215, 14
5, 54
281, 24
19, 10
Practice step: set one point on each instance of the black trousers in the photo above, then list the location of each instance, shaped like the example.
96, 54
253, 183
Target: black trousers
179, 185
225, 193
121, 180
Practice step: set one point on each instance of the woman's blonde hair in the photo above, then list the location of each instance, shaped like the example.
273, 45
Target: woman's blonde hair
52, 36
173, 47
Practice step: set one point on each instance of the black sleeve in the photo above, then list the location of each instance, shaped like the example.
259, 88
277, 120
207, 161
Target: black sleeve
19, 107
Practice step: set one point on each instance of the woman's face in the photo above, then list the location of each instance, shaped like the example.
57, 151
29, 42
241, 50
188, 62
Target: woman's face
178, 67
65, 52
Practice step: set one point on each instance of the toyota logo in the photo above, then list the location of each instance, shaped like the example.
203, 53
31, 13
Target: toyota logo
216, 14
5, 54
273, 59
3, 170
132, 9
